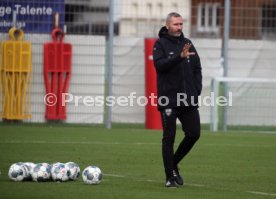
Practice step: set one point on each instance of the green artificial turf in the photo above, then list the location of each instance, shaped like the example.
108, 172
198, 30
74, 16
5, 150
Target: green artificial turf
221, 165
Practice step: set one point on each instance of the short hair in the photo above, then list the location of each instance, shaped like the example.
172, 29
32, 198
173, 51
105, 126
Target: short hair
172, 14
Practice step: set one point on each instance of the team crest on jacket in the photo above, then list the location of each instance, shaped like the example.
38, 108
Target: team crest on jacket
168, 111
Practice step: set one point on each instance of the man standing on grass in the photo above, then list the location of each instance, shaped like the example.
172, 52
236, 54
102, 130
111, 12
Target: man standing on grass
179, 83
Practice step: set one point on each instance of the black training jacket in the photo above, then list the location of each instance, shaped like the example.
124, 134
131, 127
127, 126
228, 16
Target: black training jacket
176, 77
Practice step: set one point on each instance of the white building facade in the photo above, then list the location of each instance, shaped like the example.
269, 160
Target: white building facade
144, 18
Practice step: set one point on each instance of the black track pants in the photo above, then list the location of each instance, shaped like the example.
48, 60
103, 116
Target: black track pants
190, 121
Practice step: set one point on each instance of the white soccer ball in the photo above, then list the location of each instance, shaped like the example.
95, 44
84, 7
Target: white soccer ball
59, 172
41, 172
92, 175
74, 170
29, 166
18, 172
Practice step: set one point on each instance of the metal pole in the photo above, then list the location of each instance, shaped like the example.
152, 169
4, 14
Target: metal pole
226, 36
214, 109
227, 14
14, 19
110, 61
215, 113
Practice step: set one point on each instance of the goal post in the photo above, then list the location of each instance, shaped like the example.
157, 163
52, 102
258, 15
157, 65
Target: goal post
253, 102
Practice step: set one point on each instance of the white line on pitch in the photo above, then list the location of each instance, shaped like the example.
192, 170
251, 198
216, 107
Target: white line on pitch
114, 175
148, 180
262, 193
241, 145
189, 184
116, 143
64, 142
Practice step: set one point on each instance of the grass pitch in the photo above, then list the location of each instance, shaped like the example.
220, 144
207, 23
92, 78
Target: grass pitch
221, 165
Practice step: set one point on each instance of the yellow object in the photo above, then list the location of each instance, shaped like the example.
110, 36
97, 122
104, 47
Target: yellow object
15, 70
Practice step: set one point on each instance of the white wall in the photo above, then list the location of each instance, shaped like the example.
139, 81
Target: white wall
144, 18
128, 76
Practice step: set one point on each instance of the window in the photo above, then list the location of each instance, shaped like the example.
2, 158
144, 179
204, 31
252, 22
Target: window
269, 19
160, 9
174, 7
208, 18
149, 9
135, 9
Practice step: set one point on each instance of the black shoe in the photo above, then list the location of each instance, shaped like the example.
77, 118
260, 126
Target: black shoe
170, 183
177, 177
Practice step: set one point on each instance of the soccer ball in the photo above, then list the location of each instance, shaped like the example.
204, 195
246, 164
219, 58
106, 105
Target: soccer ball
59, 172
74, 170
18, 172
92, 175
41, 172
29, 166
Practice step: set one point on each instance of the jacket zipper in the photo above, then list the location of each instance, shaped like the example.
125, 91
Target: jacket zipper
180, 49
